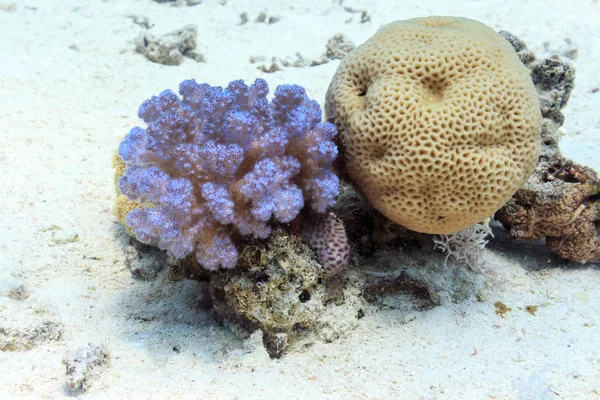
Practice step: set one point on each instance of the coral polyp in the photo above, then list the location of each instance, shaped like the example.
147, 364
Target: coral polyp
220, 162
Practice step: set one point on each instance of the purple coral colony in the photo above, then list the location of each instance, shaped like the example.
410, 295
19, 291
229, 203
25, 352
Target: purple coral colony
220, 162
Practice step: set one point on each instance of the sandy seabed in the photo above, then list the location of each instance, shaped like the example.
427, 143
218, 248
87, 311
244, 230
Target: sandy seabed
70, 85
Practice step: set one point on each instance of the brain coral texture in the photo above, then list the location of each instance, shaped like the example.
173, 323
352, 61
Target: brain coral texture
219, 162
439, 122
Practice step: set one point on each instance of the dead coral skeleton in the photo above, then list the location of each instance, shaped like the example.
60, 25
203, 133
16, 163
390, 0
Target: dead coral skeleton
171, 48
83, 365
336, 48
560, 200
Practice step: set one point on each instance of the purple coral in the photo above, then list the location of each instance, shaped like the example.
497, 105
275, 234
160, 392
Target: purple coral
223, 160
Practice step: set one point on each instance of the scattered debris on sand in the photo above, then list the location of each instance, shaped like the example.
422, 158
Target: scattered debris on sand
364, 14
83, 365
13, 339
336, 48
170, 48
262, 18
141, 20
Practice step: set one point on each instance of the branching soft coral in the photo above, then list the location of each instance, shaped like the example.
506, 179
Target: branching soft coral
220, 161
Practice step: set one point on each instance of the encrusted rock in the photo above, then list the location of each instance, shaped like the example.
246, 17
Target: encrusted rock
170, 48
338, 46
144, 262
560, 200
278, 288
553, 78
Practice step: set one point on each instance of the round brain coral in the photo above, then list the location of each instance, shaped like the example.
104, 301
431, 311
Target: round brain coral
439, 122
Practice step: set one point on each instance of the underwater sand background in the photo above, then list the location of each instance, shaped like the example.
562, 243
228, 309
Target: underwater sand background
70, 85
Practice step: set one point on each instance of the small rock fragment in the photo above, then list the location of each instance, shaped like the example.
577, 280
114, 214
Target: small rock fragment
262, 17
18, 293
83, 365
275, 344
170, 48
279, 291
364, 14
554, 79
274, 67
195, 56
144, 262
297, 61
571, 50
531, 310
273, 19
501, 308
338, 46
60, 237
141, 20
255, 59
319, 61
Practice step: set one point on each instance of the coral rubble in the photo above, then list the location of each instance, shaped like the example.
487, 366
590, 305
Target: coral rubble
560, 200
83, 364
170, 48
336, 49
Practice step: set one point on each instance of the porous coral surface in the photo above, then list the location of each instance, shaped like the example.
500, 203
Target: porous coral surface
327, 237
439, 122
278, 290
559, 202
219, 162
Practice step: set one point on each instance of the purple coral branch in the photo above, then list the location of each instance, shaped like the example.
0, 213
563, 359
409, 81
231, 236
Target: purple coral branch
221, 159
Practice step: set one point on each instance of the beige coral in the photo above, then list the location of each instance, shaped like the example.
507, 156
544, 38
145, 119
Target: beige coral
122, 205
439, 122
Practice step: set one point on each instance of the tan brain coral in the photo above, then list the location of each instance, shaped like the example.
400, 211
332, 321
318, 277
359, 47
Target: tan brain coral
439, 122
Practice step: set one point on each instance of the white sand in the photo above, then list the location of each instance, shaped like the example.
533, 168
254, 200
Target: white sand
63, 111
